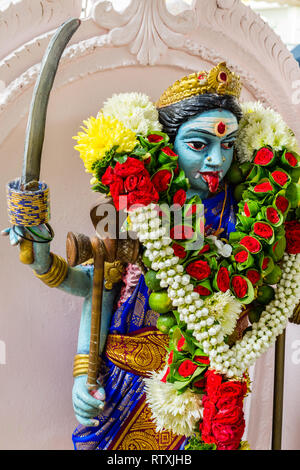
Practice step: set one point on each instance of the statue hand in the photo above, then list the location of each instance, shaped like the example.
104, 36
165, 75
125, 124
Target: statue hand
86, 406
30, 252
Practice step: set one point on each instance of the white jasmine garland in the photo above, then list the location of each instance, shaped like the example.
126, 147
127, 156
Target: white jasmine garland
262, 126
135, 111
171, 411
234, 361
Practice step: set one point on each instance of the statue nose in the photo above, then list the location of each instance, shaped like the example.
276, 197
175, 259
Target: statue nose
215, 161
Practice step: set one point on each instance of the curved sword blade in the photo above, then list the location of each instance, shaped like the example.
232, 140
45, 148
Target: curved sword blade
35, 131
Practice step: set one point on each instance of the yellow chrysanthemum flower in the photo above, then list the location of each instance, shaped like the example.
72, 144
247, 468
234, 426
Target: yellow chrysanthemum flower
100, 135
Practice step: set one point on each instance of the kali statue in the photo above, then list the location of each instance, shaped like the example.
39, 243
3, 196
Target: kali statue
184, 311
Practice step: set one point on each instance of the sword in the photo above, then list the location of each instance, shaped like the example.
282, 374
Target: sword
35, 131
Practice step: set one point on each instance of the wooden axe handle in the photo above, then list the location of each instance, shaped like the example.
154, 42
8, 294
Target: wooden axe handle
99, 258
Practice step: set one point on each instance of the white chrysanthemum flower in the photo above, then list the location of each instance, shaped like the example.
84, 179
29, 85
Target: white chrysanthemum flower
225, 309
171, 411
262, 126
135, 111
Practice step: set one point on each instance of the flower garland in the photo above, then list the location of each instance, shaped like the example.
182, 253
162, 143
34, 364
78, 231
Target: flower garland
201, 294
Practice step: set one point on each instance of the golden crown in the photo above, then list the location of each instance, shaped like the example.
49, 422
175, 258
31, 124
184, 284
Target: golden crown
220, 80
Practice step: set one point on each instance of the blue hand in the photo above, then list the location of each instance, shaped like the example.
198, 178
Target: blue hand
86, 407
16, 232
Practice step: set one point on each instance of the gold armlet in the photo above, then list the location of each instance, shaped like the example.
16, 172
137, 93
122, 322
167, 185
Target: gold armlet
57, 272
112, 273
81, 364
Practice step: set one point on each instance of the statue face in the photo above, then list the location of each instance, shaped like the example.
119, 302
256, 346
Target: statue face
204, 144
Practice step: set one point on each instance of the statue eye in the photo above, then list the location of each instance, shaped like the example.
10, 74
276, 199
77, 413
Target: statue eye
228, 145
197, 145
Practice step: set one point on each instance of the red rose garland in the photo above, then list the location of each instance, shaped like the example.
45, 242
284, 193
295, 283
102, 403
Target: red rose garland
223, 417
292, 233
130, 184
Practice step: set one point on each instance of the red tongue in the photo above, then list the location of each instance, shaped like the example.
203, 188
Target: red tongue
212, 179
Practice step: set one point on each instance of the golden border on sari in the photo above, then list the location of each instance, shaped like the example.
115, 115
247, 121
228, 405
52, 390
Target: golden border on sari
140, 354
139, 433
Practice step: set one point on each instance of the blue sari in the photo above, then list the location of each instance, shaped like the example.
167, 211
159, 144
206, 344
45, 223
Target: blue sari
121, 424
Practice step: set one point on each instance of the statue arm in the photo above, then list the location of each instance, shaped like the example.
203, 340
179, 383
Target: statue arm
87, 406
53, 270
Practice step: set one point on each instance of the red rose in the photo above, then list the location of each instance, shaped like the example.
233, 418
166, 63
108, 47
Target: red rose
155, 138
234, 445
132, 166
169, 152
116, 190
232, 389
182, 232
223, 279
205, 249
144, 182
199, 270
164, 379
187, 368
213, 382
280, 177
231, 414
282, 203
292, 234
253, 276
203, 291
240, 286
179, 251
251, 243
161, 180
291, 159
202, 359
229, 401
206, 434
109, 176
247, 210
130, 184
192, 210
272, 215
228, 435
241, 256
142, 198
263, 230
263, 156
209, 411
181, 343
263, 187
179, 197
265, 263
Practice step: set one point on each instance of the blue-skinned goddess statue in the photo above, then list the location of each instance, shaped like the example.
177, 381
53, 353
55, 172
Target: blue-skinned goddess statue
192, 141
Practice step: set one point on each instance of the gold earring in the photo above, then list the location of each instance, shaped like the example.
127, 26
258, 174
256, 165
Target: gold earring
224, 159
209, 159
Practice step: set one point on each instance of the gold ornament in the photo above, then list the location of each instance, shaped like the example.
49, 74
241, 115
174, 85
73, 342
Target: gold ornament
220, 80
57, 272
81, 364
112, 273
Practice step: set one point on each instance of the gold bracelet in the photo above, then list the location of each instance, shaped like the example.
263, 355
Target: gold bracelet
81, 364
57, 272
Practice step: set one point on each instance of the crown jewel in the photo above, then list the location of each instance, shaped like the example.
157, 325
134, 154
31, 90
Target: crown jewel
220, 80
